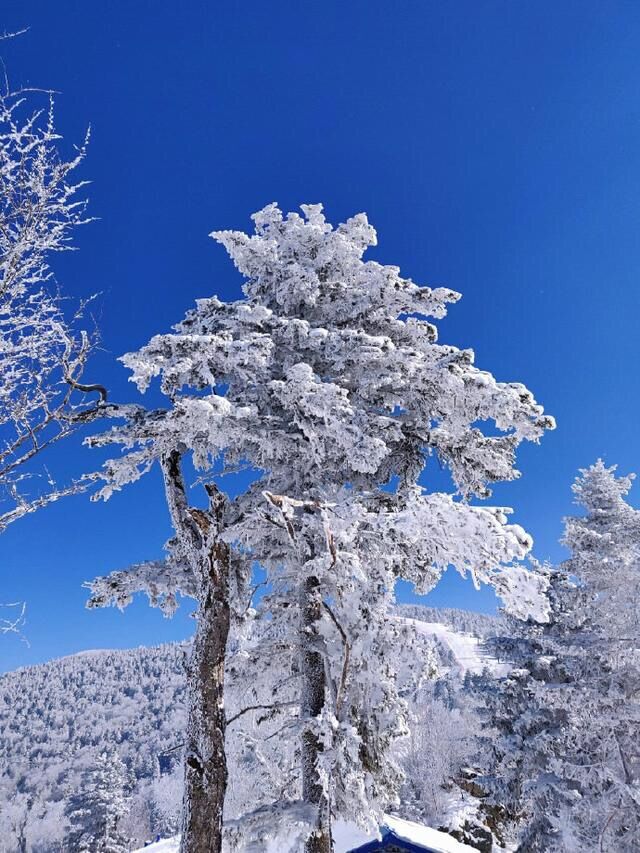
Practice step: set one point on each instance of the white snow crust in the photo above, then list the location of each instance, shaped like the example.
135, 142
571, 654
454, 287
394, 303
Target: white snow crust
431, 839
348, 836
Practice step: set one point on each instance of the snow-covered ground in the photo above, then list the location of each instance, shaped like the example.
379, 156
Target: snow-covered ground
466, 649
431, 839
169, 845
348, 837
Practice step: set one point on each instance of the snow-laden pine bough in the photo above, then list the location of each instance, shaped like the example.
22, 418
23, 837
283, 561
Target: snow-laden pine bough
326, 382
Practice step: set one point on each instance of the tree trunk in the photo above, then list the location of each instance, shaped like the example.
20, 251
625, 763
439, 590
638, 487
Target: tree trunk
22, 839
205, 768
313, 697
205, 764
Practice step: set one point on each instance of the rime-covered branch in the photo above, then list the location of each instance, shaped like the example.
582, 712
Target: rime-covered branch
161, 580
12, 624
43, 348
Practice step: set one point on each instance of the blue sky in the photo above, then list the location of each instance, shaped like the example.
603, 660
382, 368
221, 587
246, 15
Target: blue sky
494, 145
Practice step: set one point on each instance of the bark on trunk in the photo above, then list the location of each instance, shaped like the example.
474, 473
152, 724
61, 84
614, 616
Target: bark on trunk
205, 772
313, 697
205, 765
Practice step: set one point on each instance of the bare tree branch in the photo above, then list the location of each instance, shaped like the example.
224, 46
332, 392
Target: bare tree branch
273, 706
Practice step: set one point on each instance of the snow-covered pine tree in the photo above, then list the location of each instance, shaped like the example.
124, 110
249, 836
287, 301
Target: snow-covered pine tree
605, 556
565, 762
601, 752
355, 542
15, 820
95, 813
523, 726
327, 380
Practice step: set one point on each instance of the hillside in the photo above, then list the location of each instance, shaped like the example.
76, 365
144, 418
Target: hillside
480, 625
56, 719
460, 652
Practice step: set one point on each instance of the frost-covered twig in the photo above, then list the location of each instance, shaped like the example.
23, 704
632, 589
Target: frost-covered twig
43, 350
345, 660
161, 580
13, 624
274, 706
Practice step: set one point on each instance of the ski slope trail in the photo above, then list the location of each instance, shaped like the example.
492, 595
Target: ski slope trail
466, 649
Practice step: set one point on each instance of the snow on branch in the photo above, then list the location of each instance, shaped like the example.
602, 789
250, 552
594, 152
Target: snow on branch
284, 826
159, 579
13, 624
43, 347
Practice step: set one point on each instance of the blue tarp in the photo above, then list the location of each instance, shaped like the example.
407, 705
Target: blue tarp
388, 839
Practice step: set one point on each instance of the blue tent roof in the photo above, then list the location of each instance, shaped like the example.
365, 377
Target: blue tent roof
389, 838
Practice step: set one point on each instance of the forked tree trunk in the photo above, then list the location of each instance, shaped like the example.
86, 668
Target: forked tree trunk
313, 698
205, 765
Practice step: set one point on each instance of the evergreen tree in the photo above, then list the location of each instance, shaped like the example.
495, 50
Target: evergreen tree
601, 746
96, 811
524, 726
565, 760
328, 381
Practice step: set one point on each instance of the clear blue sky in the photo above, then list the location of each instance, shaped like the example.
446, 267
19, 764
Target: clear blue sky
494, 145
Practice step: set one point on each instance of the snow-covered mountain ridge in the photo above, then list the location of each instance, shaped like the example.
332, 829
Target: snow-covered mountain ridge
57, 718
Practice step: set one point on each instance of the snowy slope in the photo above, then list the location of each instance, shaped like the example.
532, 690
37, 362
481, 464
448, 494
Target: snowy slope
466, 649
57, 718
431, 839
169, 845
348, 837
